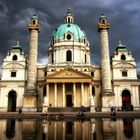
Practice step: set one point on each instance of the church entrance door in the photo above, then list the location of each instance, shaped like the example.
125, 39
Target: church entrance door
126, 100
69, 100
69, 93
12, 97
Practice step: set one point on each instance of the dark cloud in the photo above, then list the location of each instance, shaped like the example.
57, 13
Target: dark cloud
123, 15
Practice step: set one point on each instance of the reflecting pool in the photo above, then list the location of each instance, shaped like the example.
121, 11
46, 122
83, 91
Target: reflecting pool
92, 129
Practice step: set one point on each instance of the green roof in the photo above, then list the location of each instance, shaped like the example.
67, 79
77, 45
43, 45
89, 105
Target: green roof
74, 29
121, 46
17, 47
102, 16
69, 12
34, 16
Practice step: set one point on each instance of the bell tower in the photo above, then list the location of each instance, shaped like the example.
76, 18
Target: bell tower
103, 27
30, 93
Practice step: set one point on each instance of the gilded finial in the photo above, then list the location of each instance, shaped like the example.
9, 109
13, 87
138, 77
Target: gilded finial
69, 17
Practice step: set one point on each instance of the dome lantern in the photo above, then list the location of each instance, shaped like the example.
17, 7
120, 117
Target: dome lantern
69, 17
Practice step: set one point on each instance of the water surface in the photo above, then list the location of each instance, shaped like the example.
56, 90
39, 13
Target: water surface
92, 129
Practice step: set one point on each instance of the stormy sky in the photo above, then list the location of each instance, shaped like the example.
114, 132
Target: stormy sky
123, 15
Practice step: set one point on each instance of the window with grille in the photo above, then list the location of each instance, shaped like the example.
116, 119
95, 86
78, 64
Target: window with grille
13, 74
124, 73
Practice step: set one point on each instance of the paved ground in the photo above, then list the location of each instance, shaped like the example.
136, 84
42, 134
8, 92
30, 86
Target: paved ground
65, 115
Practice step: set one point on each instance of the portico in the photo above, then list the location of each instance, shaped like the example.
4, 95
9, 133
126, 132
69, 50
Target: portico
68, 88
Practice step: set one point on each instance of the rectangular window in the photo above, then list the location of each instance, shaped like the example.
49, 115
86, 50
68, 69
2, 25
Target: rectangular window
124, 73
13, 74
92, 74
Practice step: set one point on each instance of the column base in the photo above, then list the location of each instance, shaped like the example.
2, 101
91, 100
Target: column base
45, 108
92, 109
3, 109
108, 101
29, 103
107, 92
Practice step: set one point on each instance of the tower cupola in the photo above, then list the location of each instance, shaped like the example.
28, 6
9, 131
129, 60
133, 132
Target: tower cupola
103, 23
34, 25
69, 17
121, 46
17, 47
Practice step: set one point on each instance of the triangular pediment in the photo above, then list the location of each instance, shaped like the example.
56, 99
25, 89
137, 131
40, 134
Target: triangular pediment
69, 73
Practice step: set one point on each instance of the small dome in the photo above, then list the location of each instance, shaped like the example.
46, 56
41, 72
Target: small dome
121, 46
34, 17
68, 31
17, 47
102, 16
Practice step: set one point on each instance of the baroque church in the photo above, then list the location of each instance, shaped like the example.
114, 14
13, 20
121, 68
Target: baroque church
69, 80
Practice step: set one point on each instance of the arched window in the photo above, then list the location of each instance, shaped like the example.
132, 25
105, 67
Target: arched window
68, 55
103, 21
52, 58
123, 57
93, 91
44, 91
68, 36
92, 73
85, 58
34, 22
84, 40
68, 20
14, 57
12, 97
52, 40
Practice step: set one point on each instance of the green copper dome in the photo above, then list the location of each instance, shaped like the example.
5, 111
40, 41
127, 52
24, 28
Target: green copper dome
68, 28
102, 16
69, 31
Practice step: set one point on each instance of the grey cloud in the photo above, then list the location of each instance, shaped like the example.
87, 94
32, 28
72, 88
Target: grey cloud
123, 16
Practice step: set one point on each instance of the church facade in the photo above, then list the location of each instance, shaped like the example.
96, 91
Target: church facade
69, 80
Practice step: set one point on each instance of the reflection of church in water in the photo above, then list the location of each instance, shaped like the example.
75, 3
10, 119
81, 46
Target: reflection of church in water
70, 130
69, 79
